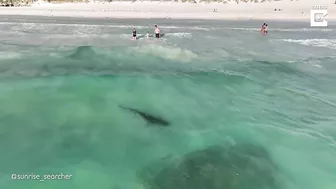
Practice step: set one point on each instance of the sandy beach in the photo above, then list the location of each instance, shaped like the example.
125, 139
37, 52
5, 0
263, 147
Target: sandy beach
289, 10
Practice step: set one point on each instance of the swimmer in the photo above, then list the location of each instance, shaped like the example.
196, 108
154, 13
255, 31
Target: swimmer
157, 32
134, 34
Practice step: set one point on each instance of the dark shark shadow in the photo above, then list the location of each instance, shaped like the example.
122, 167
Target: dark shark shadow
149, 118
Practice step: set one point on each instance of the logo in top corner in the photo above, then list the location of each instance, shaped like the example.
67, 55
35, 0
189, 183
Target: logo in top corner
318, 16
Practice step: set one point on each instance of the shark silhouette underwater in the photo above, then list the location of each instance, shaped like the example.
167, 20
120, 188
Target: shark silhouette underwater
151, 119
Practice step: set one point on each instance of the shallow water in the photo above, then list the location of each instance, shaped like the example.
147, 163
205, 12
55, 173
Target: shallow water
62, 80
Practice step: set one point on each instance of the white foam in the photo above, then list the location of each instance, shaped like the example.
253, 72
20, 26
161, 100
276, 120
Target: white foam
166, 52
328, 43
9, 55
38, 25
278, 29
180, 35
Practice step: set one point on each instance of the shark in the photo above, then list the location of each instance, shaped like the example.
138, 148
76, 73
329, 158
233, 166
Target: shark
148, 117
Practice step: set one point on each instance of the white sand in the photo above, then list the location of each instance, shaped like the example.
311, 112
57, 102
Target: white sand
290, 10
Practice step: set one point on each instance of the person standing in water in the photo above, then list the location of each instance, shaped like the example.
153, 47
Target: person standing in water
266, 29
157, 32
262, 30
134, 34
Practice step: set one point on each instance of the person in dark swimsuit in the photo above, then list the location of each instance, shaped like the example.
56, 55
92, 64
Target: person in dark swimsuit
134, 34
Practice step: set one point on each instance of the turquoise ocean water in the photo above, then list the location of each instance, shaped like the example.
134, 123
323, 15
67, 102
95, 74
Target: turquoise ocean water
216, 82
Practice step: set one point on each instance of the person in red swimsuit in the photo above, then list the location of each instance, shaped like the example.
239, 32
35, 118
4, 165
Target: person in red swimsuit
262, 30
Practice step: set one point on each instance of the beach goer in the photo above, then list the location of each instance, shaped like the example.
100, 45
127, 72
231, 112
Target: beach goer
262, 30
134, 34
157, 31
266, 28
147, 34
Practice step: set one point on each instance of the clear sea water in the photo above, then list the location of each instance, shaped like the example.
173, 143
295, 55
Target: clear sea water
62, 80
